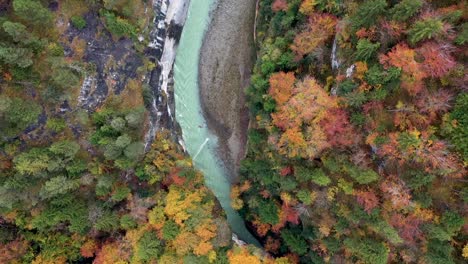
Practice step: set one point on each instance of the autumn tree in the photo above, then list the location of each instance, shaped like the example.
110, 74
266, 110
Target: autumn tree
307, 7
409, 227
12, 251
307, 106
281, 86
320, 28
396, 192
403, 57
367, 199
337, 127
418, 147
434, 103
112, 252
241, 255
279, 5
438, 60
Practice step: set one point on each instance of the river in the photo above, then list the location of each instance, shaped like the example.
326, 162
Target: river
199, 142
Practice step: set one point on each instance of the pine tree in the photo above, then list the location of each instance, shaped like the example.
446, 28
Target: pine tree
425, 29
366, 49
367, 250
32, 11
367, 13
405, 9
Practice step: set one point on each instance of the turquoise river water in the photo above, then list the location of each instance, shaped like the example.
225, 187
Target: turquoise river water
200, 143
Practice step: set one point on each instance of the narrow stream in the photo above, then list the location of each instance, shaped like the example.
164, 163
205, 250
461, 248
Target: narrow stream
200, 143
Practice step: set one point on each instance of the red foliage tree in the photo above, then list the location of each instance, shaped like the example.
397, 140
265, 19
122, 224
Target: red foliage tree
421, 148
438, 60
367, 199
408, 227
286, 171
373, 106
391, 30
366, 33
272, 245
434, 103
279, 5
287, 214
5, 162
337, 127
175, 178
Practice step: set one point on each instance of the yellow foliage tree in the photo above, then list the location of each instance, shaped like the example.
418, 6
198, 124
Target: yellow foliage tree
178, 202
185, 242
242, 256
307, 7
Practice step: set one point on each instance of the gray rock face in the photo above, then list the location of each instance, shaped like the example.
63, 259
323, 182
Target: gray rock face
169, 21
114, 61
117, 61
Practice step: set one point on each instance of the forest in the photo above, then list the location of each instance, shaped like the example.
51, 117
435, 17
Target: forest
357, 145
76, 184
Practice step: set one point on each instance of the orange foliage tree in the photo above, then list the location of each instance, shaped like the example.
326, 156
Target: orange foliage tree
403, 57
242, 256
281, 86
111, 253
310, 122
320, 28
12, 251
88, 249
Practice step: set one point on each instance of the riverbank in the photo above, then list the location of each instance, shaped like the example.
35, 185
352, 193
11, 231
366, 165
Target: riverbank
199, 141
226, 60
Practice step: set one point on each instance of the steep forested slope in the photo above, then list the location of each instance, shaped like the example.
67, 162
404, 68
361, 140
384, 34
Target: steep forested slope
76, 185
358, 148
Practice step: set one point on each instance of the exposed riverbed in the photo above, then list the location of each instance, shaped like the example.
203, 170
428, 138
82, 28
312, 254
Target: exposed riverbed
226, 60
200, 142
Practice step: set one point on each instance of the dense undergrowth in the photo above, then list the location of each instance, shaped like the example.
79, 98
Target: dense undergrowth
358, 147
